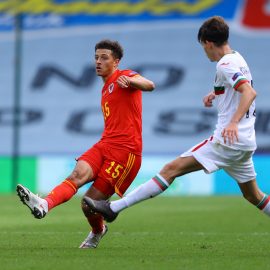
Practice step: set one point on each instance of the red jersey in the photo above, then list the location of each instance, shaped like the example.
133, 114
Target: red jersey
122, 112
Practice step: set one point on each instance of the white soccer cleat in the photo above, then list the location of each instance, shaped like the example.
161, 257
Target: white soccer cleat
92, 240
37, 205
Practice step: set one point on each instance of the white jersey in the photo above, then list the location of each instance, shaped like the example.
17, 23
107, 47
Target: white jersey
232, 71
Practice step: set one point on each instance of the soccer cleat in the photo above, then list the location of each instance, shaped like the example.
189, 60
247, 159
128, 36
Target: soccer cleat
93, 239
37, 205
102, 207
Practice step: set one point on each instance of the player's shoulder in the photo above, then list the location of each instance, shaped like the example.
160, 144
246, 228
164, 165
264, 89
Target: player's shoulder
229, 61
128, 72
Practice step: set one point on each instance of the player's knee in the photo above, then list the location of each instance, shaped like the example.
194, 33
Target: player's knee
78, 178
76, 175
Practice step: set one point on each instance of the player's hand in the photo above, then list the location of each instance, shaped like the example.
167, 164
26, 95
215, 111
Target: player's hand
230, 133
123, 81
208, 100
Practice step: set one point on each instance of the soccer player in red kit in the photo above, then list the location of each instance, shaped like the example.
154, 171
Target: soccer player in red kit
114, 161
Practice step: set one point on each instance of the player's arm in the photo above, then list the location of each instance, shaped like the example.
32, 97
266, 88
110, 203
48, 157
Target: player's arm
138, 82
248, 94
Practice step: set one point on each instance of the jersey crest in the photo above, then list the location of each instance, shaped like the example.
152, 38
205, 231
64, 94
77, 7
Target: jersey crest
111, 87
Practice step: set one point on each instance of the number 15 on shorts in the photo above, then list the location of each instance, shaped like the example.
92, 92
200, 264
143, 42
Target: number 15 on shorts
114, 170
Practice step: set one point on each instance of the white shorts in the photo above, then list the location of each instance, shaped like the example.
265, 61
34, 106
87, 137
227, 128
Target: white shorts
214, 156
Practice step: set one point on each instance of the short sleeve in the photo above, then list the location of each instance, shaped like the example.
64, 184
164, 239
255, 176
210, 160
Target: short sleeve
232, 74
130, 73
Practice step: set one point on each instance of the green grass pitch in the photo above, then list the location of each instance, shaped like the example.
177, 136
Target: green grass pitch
163, 233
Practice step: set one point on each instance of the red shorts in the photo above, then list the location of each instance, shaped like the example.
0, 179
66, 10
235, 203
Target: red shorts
114, 169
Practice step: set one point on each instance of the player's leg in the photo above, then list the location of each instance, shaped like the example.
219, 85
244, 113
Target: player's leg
60, 194
149, 189
159, 183
86, 169
116, 168
201, 156
243, 171
255, 196
95, 220
81, 175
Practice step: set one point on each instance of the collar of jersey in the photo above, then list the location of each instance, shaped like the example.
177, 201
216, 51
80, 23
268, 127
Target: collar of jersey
112, 77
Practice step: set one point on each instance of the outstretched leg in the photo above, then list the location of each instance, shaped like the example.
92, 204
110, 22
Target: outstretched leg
149, 189
81, 174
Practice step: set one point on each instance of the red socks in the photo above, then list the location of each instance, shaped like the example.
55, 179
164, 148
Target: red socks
65, 192
61, 194
96, 222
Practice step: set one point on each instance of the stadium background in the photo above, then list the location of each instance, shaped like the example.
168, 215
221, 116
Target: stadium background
52, 86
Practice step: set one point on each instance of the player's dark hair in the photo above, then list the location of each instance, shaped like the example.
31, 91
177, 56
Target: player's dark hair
215, 29
114, 46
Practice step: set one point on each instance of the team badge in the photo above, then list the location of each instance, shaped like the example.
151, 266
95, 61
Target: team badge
236, 75
111, 86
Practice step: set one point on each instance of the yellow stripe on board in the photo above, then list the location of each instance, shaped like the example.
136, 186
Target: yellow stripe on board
155, 7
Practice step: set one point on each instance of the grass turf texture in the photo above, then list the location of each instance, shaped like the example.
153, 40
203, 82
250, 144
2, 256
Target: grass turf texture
163, 233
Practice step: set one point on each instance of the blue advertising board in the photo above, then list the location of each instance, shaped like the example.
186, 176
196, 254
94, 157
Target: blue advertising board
55, 13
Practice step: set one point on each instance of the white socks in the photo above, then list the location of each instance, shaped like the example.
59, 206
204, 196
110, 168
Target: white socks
157, 185
264, 205
143, 192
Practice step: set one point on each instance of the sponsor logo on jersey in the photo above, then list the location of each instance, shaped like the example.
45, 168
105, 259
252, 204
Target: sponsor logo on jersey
236, 75
111, 87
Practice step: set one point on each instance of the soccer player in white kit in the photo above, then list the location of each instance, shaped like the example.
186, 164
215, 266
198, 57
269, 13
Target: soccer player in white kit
233, 143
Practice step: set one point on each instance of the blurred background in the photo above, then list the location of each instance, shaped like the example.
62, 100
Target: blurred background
50, 95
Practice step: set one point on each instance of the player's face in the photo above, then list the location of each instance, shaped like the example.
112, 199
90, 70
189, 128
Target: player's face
208, 48
105, 62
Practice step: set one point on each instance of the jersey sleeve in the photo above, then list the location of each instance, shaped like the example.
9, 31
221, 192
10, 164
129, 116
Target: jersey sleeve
130, 73
232, 74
